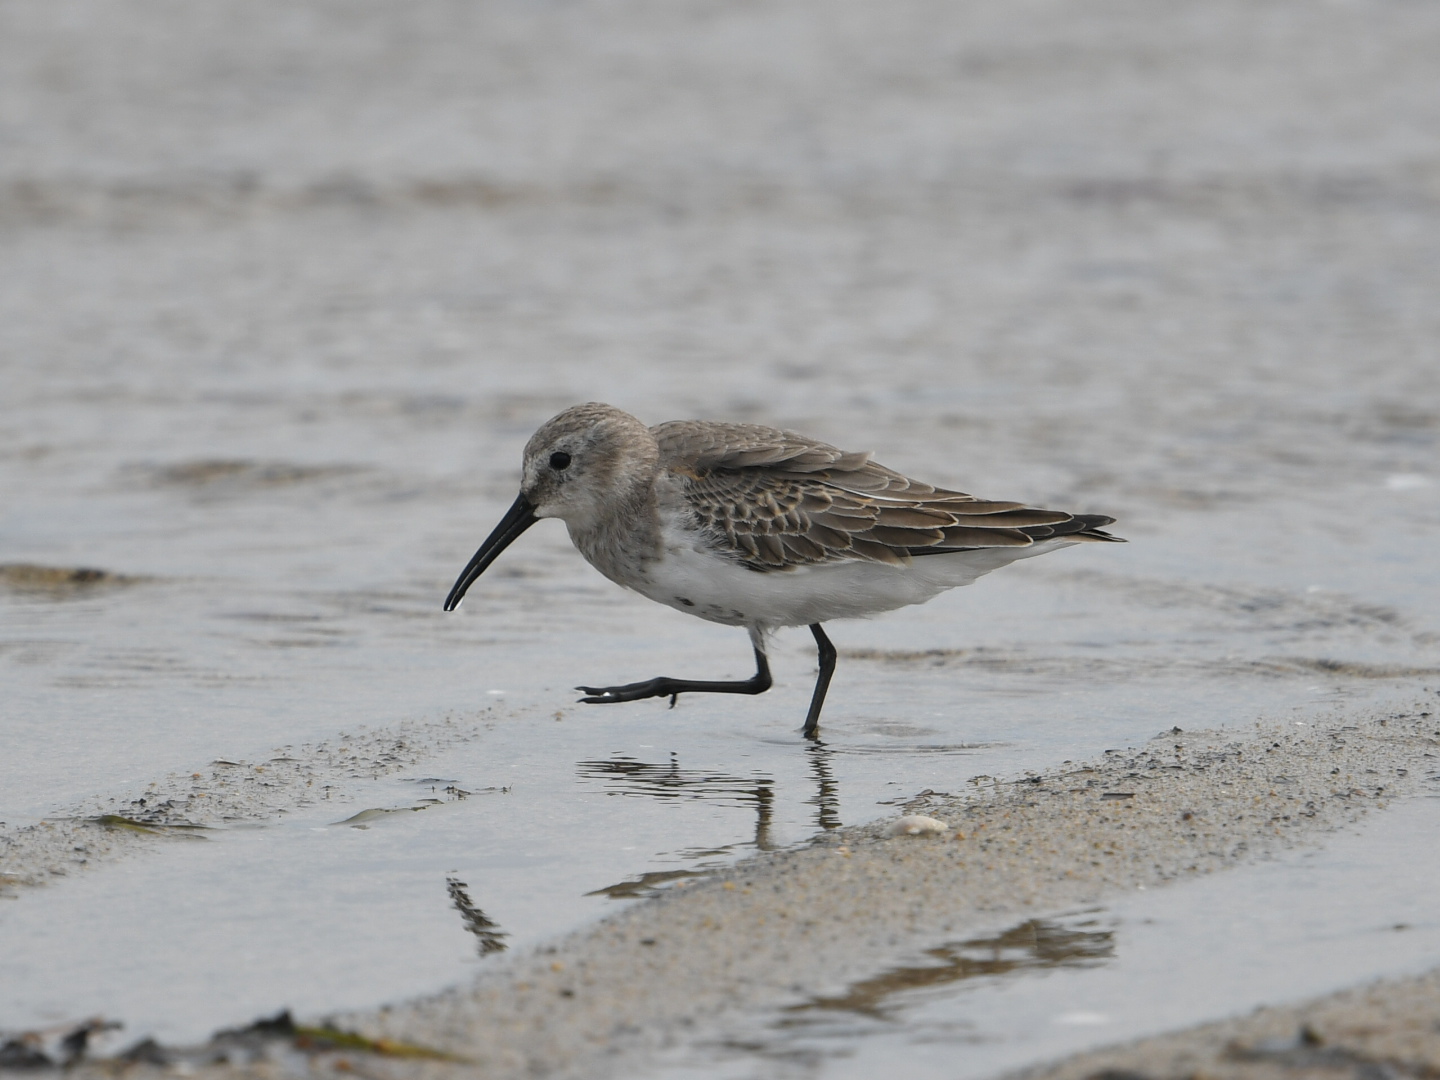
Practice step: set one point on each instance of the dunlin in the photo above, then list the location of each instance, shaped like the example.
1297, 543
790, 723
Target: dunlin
751, 526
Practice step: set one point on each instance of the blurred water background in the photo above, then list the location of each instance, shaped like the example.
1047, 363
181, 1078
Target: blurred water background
285, 287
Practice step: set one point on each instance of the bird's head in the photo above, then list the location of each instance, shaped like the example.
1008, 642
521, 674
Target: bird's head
583, 464
581, 467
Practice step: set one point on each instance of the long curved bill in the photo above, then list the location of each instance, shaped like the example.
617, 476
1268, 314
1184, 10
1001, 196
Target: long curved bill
517, 519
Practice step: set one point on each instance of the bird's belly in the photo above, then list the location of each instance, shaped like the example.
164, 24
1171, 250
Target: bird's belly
723, 591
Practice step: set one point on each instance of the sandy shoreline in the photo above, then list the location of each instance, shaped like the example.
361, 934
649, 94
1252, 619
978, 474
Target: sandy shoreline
227, 792
785, 927
1388, 1028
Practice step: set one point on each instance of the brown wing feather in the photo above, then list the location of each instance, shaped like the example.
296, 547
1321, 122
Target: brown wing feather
777, 499
701, 446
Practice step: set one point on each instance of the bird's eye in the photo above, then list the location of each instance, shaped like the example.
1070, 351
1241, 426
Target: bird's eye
559, 460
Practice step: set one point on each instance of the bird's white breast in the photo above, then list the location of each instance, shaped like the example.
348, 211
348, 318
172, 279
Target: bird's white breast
692, 577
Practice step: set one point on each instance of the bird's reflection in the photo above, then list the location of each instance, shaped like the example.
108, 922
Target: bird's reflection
827, 792
668, 780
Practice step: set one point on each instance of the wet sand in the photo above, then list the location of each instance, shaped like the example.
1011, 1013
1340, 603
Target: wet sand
786, 928
1386, 1028
227, 793
791, 927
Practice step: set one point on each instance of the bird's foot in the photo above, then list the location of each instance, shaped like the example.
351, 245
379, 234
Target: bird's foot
671, 688
608, 695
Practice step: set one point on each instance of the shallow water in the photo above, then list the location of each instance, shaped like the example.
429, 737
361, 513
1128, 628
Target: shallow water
545, 814
275, 323
1160, 960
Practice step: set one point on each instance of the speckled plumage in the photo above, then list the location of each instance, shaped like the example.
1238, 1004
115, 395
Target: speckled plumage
752, 526
777, 500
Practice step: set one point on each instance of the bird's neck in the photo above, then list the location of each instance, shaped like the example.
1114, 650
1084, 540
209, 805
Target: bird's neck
622, 545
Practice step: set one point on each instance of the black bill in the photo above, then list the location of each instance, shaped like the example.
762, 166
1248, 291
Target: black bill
517, 519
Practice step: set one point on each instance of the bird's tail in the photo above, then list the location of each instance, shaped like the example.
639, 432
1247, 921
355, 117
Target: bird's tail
1086, 527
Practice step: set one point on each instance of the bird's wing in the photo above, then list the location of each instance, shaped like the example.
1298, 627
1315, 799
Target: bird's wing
702, 445
777, 500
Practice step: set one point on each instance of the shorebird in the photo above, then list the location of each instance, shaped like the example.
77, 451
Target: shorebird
752, 526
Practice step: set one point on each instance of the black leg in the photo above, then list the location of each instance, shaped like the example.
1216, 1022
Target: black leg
665, 687
822, 684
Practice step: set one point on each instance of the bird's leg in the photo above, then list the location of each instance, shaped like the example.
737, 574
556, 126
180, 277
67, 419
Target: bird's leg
822, 684
666, 687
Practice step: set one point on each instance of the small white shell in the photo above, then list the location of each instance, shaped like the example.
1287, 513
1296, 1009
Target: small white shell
916, 825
